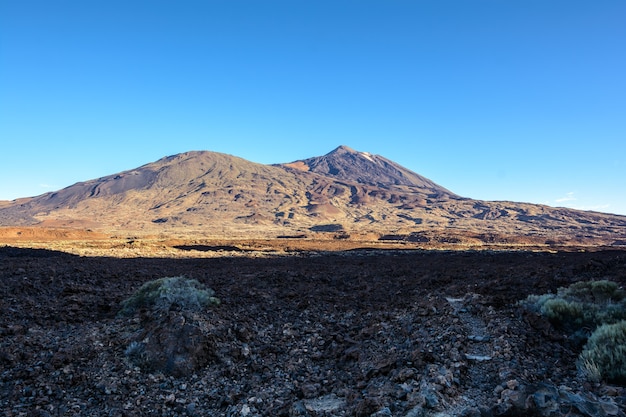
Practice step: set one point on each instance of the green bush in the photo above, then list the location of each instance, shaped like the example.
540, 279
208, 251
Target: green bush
582, 304
596, 307
595, 292
604, 355
166, 293
559, 310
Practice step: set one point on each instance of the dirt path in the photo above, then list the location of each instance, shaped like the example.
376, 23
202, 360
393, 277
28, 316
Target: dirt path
479, 352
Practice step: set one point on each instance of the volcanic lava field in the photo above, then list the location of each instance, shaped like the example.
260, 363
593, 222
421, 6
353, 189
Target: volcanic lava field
359, 332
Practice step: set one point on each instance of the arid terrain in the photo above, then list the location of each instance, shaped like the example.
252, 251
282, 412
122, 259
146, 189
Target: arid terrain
345, 194
303, 329
344, 285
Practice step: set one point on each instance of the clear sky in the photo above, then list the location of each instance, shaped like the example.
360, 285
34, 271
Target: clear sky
521, 100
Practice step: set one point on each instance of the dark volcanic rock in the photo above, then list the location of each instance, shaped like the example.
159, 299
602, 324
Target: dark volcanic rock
360, 333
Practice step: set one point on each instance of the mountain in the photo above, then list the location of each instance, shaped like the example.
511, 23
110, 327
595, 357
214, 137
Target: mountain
347, 164
346, 193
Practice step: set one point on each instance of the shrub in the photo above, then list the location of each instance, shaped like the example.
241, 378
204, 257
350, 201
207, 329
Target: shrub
166, 293
559, 310
604, 355
582, 304
136, 354
596, 307
601, 292
173, 340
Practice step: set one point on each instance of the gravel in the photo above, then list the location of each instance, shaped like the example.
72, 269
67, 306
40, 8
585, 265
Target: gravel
373, 333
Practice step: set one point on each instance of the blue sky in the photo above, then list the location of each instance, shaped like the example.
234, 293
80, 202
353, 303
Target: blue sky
498, 100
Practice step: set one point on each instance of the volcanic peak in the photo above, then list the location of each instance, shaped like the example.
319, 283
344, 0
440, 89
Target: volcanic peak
347, 164
348, 190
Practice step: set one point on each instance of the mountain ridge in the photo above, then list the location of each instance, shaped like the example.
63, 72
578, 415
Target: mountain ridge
346, 192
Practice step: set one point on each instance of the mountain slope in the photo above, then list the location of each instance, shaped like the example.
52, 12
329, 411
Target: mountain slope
346, 192
181, 189
345, 163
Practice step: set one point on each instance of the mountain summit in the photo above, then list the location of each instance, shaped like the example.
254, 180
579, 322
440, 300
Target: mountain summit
355, 194
344, 163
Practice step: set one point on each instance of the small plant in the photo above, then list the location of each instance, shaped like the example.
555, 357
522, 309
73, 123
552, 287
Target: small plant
601, 292
166, 293
582, 304
559, 310
136, 353
604, 355
596, 307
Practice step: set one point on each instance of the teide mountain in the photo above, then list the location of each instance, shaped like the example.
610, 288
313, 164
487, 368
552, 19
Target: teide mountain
347, 193
347, 164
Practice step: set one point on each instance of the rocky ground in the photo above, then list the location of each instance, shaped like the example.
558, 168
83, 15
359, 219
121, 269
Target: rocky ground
351, 333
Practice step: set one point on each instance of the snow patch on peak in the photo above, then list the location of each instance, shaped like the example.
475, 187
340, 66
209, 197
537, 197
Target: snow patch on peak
367, 156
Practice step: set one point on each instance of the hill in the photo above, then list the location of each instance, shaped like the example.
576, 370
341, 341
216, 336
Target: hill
343, 194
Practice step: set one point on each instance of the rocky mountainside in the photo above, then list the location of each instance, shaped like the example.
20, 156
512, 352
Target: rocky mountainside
346, 193
346, 164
